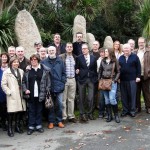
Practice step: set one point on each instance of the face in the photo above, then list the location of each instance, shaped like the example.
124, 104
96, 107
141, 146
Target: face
4, 58
20, 53
106, 53
52, 51
15, 64
132, 44
42, 52
126, 50
69, 48
85, 50
57, 38
79, 37
37, 47
141, 43
34, 62
96, 45
11, 52
116, 45
102, 54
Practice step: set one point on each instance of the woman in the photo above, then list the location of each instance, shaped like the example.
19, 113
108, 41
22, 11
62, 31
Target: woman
36, 82
109, 69
12, 86
5, 61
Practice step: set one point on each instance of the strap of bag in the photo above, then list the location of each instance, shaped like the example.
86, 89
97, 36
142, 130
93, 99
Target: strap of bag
113, 68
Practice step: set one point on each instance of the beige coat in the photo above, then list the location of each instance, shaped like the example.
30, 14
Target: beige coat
10, 86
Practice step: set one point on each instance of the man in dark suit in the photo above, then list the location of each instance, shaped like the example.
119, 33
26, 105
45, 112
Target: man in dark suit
86, 70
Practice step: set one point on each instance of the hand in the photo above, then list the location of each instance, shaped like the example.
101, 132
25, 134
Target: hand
77, 71
138, 79
27, 92
28, 67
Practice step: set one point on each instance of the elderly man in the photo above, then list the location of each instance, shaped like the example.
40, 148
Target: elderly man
37, 46
58, 80
11, 51
95, 49
24, 62
43, 53
130, 72
131, 42
86, 70
144, 55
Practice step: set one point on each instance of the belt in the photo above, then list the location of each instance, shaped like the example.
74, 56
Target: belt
70, 77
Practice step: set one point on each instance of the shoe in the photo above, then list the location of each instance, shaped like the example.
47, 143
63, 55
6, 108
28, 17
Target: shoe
138, 110
117, 119
64, 121
30, 131
91, 117
18, 129
41, 130
148, 110
74, 120
124, 114
132, 114
83, 119
101, 116
61, 125
51, 126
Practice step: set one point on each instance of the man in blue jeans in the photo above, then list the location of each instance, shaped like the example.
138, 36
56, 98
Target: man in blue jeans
58, 79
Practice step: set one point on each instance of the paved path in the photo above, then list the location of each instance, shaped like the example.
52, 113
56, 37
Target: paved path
130, 134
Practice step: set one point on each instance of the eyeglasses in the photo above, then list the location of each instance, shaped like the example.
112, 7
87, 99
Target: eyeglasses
33, 59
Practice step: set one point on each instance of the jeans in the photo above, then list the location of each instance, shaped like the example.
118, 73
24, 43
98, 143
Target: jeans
55, 113
110, 96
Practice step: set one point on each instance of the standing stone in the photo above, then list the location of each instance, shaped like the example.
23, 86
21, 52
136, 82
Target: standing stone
27, 32
90, 39
79, 26
108, 42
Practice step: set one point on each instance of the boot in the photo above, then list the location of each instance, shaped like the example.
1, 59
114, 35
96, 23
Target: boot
115, 111
17, 123
109, 113
10, 131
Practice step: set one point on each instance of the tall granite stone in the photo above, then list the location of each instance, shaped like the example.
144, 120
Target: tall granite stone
108, 42
90, 39
27, 32
79, 26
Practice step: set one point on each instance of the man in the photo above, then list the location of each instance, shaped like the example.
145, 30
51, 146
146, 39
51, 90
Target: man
95, 49
43, 53
77, 46
60, 47
144, 55
24, 62
37, 46
11, 51
130, 72
70, 86
86, 70
131, 42
58, 79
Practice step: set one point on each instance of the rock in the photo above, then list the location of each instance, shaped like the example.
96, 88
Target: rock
27, 32
90, 39
108, 42
79, 26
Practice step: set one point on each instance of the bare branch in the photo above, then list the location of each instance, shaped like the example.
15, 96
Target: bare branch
1, 6
11, 5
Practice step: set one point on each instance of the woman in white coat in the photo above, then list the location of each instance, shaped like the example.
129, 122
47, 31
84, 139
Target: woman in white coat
12, 86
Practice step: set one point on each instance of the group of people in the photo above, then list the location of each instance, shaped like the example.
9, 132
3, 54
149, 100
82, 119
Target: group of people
68, 71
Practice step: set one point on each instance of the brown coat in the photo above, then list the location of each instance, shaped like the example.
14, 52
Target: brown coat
9, 83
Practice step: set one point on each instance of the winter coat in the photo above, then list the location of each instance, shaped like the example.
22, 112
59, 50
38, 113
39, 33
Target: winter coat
9, 83
45, 83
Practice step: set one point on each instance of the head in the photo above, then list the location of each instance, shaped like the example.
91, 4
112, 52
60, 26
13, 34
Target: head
20, 52
141, 43
14, 62
116, 46
109, 53
69, 47
34, 60
57, 38
102, 52
85, 49
11, 51
42, 52
4, 58
127, 49
37, 46
79, 36
96, 46
132, 44
52, 52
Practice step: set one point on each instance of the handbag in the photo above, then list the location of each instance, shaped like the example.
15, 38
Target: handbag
105, 84
48, 102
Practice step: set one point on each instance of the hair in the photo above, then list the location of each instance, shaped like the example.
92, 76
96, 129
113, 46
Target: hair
19, 47
68, 43
6, 56
142, 39
111, 54
130, 40
79, 33
37, 43
12, 59
85, 44
56, 34
101, 50
11, 47
35, 56
0, 62
120, 51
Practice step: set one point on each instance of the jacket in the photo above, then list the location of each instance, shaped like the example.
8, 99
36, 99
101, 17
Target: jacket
105, 70
45, 83
58, 73
15, 102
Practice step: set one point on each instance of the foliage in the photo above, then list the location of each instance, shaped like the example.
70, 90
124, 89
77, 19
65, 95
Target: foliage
6, 30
